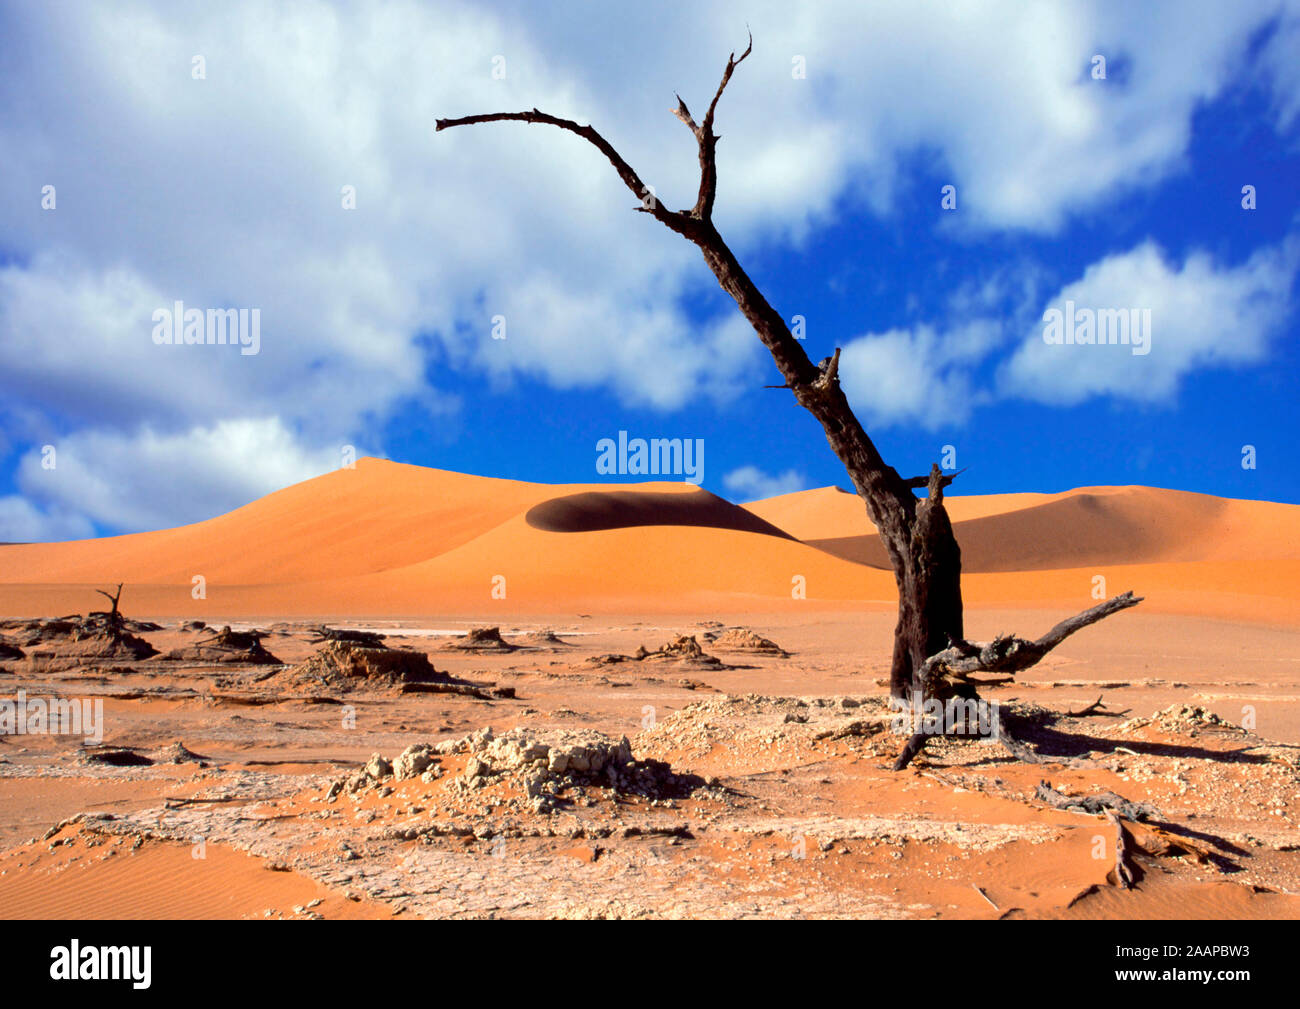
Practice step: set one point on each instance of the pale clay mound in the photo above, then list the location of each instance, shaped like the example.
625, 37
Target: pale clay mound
227, 646
538, 766
69, 642
480, 639
346, 666
742, 639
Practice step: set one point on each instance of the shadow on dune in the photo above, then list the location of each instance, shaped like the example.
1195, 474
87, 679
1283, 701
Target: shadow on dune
595, 510
1087, 529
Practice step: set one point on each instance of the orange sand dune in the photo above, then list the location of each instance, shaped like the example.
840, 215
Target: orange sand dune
1088, 526
829, 512
388, 539
378, 516
348, 522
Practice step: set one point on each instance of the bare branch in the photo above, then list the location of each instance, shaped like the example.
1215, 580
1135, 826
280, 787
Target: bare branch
679, 222
111, 597
732, 63
1081, 620
684, 114
945, 479
890, 505
708, 141
1096, 708
114, 617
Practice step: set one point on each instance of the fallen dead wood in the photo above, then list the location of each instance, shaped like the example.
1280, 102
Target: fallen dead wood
1020, 749
1132, 833
267, 819
259, 700
1096, 708
464, 689
180, 800
1094, 804
1160, 842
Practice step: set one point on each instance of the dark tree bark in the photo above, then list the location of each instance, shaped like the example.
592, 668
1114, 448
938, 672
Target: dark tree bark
917, 533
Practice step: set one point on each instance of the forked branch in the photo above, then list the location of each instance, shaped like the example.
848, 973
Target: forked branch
708, 140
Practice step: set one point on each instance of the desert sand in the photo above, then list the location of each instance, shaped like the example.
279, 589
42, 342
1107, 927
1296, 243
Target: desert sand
753, 782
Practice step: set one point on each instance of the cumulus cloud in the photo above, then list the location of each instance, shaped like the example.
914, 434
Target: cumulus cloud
918, 375
749, 483
1203, 314
155, 479
23, 522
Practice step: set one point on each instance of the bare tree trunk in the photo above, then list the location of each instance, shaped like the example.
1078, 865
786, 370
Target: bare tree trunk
930, 610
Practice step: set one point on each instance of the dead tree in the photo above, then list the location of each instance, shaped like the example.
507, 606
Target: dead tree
113, 617
916, 532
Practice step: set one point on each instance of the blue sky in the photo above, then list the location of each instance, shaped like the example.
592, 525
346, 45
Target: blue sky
201, 155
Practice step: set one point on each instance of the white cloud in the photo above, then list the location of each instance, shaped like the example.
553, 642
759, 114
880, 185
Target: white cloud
749, 483
1202, 315
917, 376
23, 522
152, 480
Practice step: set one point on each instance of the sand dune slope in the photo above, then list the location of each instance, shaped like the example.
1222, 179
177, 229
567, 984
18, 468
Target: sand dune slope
379, 516
387, 538
1085, 527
